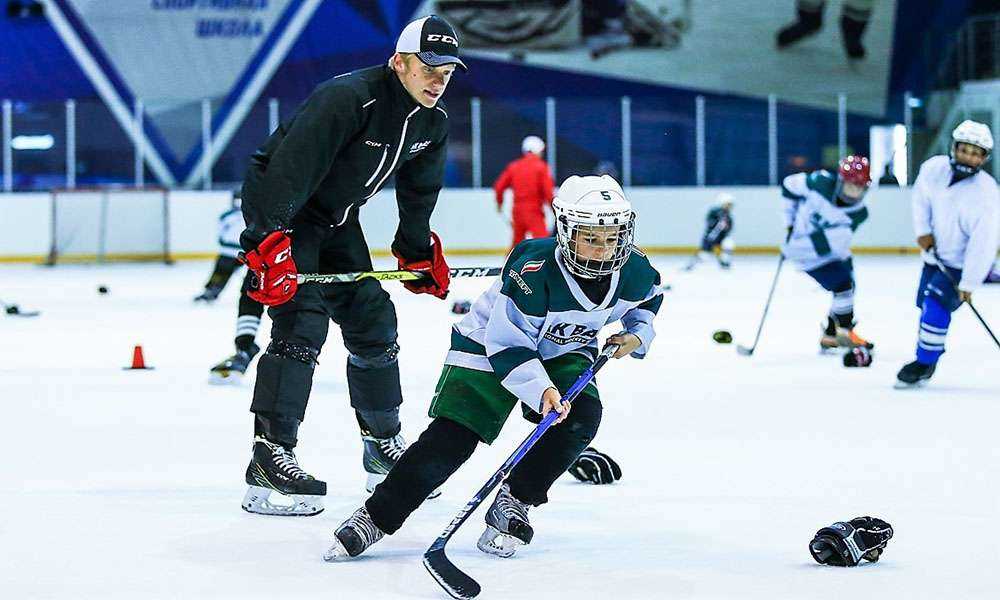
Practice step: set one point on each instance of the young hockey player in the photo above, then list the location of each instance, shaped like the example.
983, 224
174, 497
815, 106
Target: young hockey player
232, 369
231, 225
956, 213
301, 198
718, 226
822, 212
527, 338
531, 182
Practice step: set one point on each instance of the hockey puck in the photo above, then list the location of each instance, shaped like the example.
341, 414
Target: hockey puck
722, 337
102, 289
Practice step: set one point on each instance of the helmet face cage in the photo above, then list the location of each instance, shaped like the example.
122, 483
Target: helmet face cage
962, 167
571, 239
855, 170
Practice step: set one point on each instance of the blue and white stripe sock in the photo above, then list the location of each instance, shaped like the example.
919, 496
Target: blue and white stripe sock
934, 321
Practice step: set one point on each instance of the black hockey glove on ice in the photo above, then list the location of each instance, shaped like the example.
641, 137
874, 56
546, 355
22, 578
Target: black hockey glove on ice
845, 544
596, 467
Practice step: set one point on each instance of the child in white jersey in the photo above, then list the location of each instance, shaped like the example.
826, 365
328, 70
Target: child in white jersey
956, 216
527, 338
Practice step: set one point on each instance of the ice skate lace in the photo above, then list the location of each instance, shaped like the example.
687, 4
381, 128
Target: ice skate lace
361, 523
285, 460
393, 447
510, 507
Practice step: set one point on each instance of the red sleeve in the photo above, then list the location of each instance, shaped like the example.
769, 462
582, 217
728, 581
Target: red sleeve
546, 184
501, 184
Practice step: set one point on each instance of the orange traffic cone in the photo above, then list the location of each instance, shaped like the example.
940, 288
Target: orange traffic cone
138, 362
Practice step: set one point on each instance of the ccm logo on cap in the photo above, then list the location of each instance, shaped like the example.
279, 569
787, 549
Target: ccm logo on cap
439, 37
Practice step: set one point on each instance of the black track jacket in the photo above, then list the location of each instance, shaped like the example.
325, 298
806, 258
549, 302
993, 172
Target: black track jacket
339, 149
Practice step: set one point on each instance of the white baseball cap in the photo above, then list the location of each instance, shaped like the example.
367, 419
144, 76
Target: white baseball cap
433, 40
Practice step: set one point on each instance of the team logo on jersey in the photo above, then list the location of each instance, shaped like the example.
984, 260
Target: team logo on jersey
521, 283
532, 265
569, 333
418, 146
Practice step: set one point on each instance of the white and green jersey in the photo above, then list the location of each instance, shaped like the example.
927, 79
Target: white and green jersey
821, 230
536, 311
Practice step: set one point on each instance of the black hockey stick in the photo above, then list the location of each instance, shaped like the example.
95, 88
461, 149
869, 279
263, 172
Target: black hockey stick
15, 310
743, 350
399, 275
451, 578
943, 269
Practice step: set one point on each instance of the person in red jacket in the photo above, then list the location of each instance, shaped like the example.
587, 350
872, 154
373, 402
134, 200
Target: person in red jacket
531, 181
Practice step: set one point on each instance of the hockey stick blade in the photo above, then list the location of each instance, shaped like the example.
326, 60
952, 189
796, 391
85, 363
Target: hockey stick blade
743, 350
449, 577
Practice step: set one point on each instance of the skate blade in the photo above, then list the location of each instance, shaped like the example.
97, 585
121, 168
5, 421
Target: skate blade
337, 552
257, 500
376, 478
494, 542
902, 385
225, 378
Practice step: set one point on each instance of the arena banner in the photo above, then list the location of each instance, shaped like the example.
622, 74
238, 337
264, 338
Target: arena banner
806, 51
173, 54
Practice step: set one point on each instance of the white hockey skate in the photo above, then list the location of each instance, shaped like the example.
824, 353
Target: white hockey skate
507, 525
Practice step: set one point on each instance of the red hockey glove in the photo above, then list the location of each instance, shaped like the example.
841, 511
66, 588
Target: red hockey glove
271, 261
436, 270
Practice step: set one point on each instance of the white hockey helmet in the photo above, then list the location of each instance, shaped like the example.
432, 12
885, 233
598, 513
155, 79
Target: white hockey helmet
724, 198
595, 225
974, 133
533, 144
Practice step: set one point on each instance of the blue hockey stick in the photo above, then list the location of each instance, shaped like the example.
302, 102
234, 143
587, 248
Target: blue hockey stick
451, 578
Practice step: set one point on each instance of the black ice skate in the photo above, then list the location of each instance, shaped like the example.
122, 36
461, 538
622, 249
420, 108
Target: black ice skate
209, 295
808, 24
354, 536
507, 525
232, 370
380, 455
273, 468
914, 374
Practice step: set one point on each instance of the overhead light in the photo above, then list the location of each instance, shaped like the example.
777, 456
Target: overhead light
32, 142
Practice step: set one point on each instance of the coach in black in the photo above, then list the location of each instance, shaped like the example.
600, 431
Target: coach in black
301, 199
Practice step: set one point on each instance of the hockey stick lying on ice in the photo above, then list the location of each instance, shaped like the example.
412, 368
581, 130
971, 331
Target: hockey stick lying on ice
451, 578
392, 275
940, 265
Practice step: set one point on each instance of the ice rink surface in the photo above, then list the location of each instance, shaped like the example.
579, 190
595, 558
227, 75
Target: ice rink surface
120, 484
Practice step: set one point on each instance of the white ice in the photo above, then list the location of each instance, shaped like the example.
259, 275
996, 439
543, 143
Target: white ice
127, 484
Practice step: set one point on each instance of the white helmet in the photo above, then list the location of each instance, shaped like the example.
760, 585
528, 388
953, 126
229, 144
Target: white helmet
724, 198
976, 134
593, 205
533, 144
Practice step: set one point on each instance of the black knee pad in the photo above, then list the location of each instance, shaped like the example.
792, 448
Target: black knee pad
386, 357
294, 351
284, 379
373, 380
